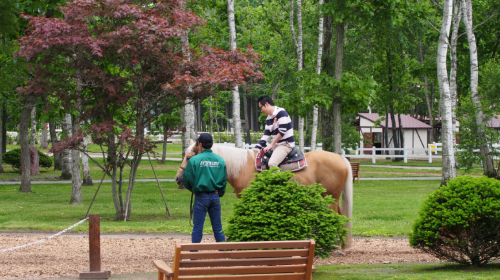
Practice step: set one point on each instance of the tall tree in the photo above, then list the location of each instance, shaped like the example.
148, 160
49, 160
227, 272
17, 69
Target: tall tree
318, 71
29, 102
488, 166
238, 138
449, 168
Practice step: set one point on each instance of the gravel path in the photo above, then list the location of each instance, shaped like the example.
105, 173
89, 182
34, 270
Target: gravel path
68, 255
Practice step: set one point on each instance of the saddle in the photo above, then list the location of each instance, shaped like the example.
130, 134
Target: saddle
294, 161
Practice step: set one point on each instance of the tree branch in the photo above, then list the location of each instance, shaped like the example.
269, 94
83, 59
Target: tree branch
479, 24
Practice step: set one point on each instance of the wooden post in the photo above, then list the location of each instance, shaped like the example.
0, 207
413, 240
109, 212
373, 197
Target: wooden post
95, 251
95, 242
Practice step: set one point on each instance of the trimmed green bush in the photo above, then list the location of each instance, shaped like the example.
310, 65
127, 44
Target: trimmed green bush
13, 157
460, 222
277, 208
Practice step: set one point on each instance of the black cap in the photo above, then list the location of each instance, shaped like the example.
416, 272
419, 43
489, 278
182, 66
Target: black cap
205, 138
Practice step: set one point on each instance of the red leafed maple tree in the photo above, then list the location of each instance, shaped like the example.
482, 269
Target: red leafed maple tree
123, 58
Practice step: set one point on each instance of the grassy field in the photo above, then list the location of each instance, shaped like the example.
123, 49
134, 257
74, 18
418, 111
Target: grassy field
405, 271
383, 208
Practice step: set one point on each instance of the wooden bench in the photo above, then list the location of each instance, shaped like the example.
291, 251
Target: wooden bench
355, 170
272, 260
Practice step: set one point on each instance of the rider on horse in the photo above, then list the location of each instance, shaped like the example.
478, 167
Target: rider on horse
279, 125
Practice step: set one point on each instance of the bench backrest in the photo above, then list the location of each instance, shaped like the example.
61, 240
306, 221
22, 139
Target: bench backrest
287, 260
355, 168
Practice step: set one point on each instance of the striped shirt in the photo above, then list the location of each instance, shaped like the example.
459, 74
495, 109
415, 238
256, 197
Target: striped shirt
278, 122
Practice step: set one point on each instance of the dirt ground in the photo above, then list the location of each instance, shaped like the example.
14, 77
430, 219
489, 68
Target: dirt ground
67, 256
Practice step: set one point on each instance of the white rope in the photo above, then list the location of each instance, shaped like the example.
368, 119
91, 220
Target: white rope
45, 239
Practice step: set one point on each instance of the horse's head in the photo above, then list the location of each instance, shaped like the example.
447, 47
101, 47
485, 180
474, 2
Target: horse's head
191, 151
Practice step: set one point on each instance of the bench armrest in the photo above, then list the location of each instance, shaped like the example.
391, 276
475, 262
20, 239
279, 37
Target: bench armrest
163, 268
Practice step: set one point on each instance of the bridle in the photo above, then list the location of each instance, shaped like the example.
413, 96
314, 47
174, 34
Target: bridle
195, 153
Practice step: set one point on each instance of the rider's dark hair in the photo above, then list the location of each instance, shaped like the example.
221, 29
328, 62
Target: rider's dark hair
265, 99
207, 145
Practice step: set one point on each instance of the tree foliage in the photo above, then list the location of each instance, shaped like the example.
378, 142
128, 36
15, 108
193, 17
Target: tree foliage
124, 61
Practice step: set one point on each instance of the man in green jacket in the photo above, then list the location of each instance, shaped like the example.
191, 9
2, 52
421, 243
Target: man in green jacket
206, 177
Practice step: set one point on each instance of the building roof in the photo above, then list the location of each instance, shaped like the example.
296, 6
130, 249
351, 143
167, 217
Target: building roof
495, 121
408, 122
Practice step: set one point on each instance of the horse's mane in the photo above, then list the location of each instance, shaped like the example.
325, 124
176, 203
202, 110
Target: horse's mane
235, 158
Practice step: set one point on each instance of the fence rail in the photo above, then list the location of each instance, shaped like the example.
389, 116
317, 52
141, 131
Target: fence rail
431, 152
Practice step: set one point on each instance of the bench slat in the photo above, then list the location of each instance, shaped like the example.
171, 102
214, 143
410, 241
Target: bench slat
245, 245
243, 270
288, 276
243, 262
245, 254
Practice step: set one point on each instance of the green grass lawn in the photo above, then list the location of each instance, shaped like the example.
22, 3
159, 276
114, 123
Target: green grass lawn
47, 208
406, 271
388, 208
383, 208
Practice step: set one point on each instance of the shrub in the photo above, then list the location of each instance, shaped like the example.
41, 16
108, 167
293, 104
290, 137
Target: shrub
277, 208
460, 222
13, 157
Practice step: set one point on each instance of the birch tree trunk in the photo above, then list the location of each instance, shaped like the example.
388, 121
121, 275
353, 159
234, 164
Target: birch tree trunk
238, 138
87, 178
53, 139
337, 100
298, 46
211, 117
165, 141
457, 14
247, 119
188, 118
449, 168
488, 166
318, 71
25, 149
33, 127
66, 154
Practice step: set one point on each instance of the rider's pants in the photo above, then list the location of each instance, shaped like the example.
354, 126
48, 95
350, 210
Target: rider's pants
279, 154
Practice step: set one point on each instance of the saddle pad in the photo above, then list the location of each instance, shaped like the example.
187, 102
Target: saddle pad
294, 166
291, 166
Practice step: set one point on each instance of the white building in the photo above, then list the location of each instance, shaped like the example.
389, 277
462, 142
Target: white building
415, 132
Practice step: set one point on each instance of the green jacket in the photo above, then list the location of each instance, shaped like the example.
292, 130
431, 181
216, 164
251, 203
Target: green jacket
206, 172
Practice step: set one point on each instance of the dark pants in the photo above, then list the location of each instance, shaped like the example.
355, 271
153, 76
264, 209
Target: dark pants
203, 203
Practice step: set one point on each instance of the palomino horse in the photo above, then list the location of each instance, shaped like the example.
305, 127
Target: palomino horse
333, 171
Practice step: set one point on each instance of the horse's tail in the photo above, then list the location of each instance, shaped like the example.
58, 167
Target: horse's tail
347, 197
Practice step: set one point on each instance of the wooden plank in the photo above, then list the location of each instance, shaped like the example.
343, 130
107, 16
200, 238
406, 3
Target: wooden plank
243, 270
163, 268
243, 262
310, 260
245, 245
245, 254
288, 276
177, 260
